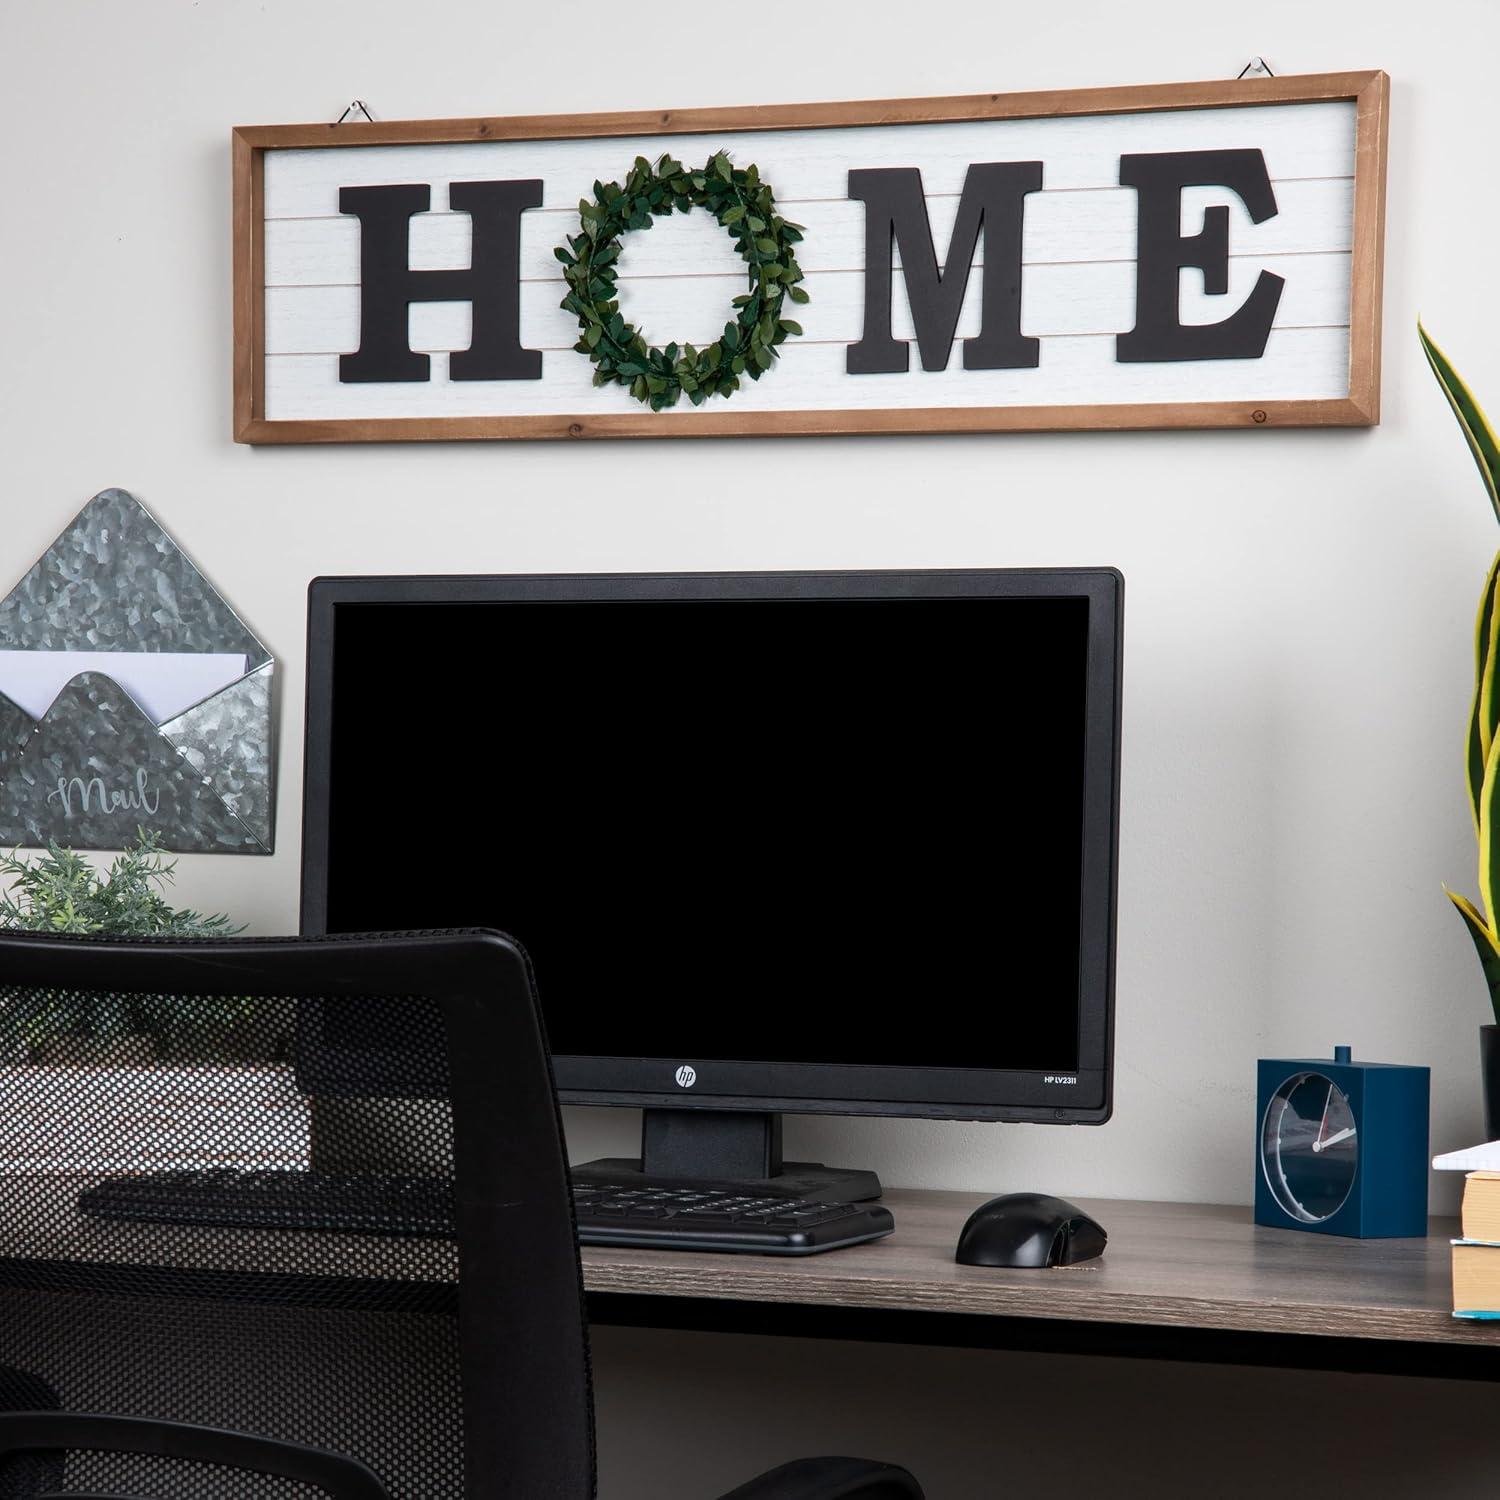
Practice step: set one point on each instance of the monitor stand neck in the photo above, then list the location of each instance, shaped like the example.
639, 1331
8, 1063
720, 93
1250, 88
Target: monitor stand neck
685, 1147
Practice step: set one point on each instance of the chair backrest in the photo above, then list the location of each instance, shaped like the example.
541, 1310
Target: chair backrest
449, 1366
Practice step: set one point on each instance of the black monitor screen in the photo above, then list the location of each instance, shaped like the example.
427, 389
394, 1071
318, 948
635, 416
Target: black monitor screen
842, 831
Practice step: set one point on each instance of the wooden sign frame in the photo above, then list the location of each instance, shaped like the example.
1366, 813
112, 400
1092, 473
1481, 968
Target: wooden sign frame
1369, 92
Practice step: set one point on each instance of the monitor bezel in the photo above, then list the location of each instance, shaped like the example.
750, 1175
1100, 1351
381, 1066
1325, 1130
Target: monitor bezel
1082, 1097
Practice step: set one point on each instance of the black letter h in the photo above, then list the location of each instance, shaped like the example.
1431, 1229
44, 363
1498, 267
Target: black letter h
491, 284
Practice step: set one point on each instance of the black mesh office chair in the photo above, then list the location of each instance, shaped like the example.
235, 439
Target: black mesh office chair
192, 1361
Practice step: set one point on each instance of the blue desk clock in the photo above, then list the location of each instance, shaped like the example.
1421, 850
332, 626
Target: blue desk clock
1342, 1147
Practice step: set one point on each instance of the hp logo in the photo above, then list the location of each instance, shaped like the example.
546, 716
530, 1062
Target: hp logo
686, 1076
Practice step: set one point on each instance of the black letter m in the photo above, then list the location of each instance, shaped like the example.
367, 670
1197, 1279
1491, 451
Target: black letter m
896, 214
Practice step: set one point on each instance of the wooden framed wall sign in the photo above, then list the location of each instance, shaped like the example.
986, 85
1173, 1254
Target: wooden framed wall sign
1186, 255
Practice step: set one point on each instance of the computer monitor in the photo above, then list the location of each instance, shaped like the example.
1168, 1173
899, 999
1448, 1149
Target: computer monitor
802, 842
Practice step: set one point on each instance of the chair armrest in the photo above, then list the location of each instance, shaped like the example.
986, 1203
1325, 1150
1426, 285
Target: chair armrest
53, 1432
831, 1479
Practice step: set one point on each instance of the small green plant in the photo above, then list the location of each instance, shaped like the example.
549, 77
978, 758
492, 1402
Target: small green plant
1482, 748
62, 892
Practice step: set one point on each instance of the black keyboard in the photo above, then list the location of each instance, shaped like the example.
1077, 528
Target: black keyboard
247, 1198
710, 1218
704, 1218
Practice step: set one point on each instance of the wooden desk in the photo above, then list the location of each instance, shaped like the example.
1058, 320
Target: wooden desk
1179, 1280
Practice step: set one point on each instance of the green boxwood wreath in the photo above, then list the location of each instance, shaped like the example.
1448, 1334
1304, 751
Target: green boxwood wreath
744, 205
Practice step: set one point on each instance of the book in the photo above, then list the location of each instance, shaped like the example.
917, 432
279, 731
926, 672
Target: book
1481, 1207
1481, 1158
1476, 1279
1476, 1257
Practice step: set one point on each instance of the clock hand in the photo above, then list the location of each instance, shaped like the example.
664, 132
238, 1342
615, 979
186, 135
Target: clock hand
1333, 1140
1323, 1123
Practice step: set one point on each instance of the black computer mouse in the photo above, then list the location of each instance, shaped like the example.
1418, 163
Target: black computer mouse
1029, 1229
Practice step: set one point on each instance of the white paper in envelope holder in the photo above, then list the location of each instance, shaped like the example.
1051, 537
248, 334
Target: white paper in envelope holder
164, 683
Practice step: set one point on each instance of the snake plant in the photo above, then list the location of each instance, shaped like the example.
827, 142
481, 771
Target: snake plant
1482, 750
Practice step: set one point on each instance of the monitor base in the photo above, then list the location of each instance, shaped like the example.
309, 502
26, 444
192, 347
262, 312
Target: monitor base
711, 1148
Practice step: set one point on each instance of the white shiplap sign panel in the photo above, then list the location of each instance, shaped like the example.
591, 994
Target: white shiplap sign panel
1194, 255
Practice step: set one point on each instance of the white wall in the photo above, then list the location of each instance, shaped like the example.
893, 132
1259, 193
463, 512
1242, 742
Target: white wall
1298, 606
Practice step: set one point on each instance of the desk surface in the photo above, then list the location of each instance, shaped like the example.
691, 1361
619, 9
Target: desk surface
1169, 1265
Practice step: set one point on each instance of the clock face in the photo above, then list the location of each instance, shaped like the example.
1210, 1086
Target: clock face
1309, 1147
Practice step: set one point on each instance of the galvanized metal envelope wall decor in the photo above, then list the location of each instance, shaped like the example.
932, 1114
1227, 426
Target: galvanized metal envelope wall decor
131, 696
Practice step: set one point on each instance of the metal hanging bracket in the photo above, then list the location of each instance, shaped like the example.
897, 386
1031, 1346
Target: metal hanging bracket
356, 104
1257, 67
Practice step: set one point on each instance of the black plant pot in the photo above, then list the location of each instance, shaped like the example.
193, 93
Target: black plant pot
1489, 1066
